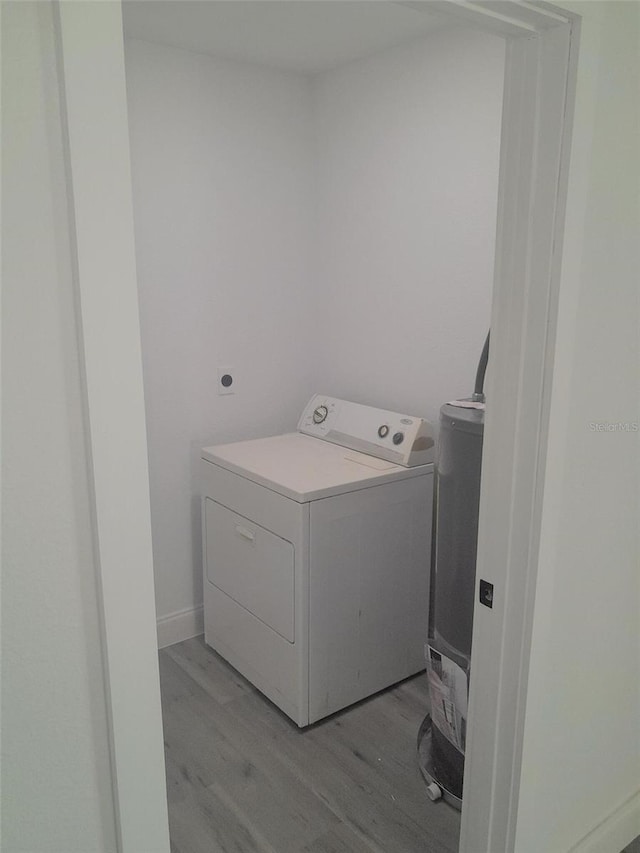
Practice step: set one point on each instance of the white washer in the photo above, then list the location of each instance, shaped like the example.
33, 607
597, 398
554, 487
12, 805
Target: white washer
317, 555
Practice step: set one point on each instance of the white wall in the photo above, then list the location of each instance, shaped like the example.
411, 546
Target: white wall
581, 759
221, 161
56, 780
408, 155
318, 234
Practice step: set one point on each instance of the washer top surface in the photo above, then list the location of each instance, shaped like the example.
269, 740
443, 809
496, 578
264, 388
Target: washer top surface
304, 468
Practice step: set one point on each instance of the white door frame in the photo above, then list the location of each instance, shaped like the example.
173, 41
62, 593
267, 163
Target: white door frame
94, 106
539, 98
538, 106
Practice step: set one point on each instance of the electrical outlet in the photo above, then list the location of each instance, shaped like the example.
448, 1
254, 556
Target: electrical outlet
226, 380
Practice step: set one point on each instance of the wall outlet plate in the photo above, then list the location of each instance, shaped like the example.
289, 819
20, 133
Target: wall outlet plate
226, 380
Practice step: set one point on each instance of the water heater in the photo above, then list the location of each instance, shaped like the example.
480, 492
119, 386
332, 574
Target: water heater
442, 736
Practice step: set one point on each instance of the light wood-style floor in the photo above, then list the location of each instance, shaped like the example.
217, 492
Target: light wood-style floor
242, 777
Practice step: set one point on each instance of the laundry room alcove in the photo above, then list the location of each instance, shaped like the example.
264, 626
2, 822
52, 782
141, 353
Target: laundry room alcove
315, 198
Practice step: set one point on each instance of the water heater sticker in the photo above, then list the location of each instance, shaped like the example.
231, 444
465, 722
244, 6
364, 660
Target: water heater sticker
448, 695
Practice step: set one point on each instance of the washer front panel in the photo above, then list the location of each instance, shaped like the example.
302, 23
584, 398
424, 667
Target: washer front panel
360, 586
251, 565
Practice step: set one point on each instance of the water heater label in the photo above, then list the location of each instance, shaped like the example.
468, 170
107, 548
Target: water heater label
448, 694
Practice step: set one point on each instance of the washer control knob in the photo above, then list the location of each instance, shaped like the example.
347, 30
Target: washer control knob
383, 431
398, 437
320, 414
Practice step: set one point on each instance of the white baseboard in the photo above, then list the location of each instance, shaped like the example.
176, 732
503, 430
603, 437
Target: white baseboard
615, 832
181, 625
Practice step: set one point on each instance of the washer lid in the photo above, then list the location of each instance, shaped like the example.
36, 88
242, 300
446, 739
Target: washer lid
304, 468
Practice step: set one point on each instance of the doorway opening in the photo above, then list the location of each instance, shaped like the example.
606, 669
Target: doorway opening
313, 212
522, 339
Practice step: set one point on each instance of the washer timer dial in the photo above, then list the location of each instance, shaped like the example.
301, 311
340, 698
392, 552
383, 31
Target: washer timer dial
383, 431
320, 414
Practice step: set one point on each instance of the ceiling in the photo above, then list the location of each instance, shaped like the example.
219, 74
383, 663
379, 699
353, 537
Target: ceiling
305, 36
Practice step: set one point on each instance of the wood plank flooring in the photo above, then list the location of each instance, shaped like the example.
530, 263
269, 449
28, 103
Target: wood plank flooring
242, 777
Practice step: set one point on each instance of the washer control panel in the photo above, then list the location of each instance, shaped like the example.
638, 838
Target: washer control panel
402, 439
